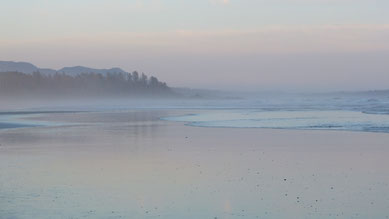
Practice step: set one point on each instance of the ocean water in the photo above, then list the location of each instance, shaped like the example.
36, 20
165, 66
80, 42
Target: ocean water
282, 119
367, 113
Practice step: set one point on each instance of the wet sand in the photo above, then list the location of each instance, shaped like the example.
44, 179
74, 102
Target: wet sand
133, 165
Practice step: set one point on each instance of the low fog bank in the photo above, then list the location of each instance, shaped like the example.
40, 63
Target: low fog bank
186, 98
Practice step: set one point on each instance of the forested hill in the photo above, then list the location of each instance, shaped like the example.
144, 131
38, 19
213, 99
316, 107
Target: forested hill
117, 84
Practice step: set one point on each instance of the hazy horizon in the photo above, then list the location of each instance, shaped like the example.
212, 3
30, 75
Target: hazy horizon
288, 45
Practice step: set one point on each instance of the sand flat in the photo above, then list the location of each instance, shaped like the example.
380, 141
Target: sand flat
130, 164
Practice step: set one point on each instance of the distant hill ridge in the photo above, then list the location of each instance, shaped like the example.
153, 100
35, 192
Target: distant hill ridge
28, 68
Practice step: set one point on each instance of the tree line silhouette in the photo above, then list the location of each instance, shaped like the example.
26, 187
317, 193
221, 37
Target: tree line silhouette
118, 84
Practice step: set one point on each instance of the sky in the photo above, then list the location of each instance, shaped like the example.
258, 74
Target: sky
216, 44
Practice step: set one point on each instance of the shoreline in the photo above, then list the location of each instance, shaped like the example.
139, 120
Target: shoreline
32, 119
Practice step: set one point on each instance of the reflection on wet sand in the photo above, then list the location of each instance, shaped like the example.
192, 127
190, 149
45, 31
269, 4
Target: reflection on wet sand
130, 164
